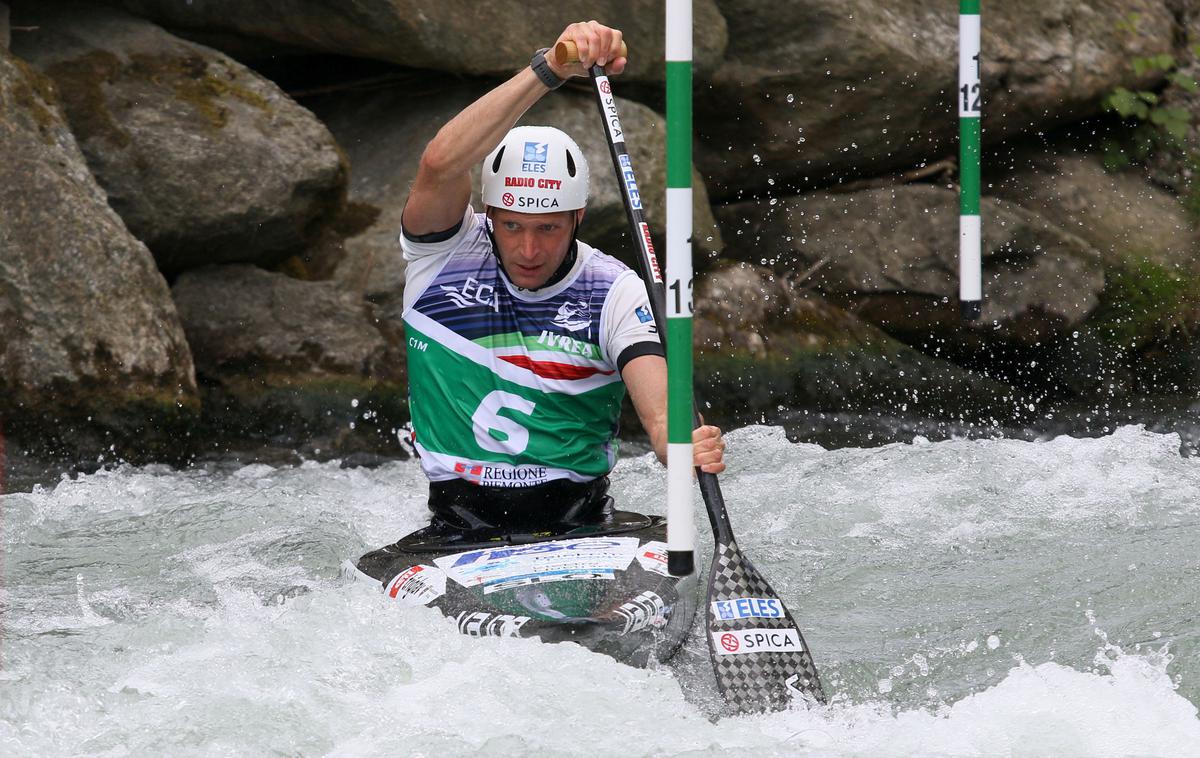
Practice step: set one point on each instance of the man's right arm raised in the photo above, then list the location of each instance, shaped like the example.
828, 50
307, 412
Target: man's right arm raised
440, 193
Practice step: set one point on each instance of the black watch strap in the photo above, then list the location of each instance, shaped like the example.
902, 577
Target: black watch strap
544, 72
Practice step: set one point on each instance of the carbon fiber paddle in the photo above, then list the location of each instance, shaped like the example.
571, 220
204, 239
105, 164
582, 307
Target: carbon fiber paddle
759, 656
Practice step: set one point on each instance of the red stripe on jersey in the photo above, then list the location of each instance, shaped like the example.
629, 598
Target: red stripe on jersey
552, 370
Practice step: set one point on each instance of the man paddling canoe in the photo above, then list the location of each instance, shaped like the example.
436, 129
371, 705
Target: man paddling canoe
522, 339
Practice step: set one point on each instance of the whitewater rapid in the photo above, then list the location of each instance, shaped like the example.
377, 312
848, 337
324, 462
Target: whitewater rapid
962, 598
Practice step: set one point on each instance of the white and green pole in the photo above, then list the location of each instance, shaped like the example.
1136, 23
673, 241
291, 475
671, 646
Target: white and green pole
970, 251
681, 530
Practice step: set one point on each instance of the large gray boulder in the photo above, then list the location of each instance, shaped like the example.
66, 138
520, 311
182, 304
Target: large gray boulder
90, 332
384, 136
463, 36
1120, 214
244, 321
288, 359
767, 344
891, 256
812, 92
206, 161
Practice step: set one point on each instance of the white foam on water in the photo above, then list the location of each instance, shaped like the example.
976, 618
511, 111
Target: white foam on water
200, 613
973, 488
340, 672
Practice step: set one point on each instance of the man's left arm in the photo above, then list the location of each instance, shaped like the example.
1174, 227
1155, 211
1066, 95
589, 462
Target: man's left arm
646, 379
632, 342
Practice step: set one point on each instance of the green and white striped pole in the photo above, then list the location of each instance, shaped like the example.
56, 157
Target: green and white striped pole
681, 530
970, 252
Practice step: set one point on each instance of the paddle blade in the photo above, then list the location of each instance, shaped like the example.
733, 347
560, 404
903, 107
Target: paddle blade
760, 657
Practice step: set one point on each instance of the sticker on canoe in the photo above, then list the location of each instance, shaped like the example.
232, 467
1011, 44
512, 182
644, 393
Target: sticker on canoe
645, 610
570, 575
653, 557
418, 585
484, 624
744, 641
502, 563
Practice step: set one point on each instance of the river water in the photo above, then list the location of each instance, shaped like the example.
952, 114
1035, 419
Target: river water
962, 598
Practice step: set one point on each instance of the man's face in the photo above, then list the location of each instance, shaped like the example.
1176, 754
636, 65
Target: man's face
533, 245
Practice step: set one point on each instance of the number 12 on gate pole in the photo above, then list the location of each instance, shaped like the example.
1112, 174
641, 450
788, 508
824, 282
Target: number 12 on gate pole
970, 102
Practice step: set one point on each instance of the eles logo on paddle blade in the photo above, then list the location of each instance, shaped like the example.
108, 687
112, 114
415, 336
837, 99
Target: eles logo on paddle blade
748, 608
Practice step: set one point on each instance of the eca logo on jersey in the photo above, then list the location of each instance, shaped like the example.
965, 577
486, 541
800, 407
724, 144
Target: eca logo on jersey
747, 608
745, 641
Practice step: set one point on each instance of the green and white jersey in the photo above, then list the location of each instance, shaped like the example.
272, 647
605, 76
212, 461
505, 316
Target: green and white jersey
511, 387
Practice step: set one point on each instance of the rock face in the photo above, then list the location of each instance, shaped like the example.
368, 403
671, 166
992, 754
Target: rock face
204, 160
281, 356
891, 256
446, 35
89, 326
819, 91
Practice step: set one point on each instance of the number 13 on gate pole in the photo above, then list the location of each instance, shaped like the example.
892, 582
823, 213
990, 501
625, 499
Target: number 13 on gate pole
681, 530
970, 100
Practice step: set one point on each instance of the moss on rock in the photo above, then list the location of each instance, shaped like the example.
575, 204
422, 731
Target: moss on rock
82, 81
202, 85
35, 94
1143, 303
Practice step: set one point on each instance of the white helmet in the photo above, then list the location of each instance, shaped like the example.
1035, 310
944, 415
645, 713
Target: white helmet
536, 169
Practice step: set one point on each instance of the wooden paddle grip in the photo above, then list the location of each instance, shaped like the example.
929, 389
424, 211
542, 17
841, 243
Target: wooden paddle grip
567, 52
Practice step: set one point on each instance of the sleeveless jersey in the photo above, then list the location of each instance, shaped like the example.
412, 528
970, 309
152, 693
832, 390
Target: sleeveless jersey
512, 387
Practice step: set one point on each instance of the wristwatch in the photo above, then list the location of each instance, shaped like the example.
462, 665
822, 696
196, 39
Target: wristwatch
544, 72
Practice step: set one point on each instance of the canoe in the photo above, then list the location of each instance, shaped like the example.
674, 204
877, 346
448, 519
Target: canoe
604, 587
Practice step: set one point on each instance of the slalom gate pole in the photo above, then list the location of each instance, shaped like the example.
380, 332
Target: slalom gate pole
681, 531
759, 656
970, 253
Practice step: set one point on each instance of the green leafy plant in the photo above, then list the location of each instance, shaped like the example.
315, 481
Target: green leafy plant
1157, 125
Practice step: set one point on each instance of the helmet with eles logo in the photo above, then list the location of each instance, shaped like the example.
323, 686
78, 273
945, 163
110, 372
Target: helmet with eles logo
536, 169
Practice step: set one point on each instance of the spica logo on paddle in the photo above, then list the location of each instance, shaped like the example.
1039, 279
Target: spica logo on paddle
744, 641
747, 608
609, 106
